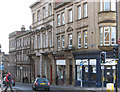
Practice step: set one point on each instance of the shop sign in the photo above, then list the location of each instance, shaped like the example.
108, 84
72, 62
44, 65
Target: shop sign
92, 61
60, 62
110, 62
84, 61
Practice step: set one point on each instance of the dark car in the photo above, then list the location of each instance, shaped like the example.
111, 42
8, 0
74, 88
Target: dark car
41, 83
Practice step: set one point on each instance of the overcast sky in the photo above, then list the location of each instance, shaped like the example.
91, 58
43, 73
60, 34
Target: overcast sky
13, 14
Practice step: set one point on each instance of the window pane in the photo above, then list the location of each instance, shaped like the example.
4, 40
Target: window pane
58, 20
63, 42
113, 35
85, 39
44, 41
113, 5
101, 32
79, 12
63, 17
70, 15
50, 9
33, 17
79, 40
85, 10
106, 5
50, 38
106, 35
58, 39
70, 40
38, 15
101, 5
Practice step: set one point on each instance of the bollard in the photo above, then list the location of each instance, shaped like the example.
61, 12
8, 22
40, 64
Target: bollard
110, 87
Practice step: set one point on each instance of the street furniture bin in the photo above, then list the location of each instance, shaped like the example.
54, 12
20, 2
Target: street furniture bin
110, 87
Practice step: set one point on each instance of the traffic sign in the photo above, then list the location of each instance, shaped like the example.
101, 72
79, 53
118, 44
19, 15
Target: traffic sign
1, 67
81, 64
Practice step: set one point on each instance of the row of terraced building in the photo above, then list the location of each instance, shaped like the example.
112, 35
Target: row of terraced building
64, 35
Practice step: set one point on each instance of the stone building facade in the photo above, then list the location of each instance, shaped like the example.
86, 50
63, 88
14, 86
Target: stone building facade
66, 41
42, 39
83, 30
12, 51
19, 49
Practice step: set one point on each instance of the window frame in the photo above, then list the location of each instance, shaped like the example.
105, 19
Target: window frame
85, 10
79, 38
109, 35
50, 9
63, 18
79, 11
58, 20
38, 15
63, 41
114, 34
85, 36
70, 38
50, 38
58, 42
70, 16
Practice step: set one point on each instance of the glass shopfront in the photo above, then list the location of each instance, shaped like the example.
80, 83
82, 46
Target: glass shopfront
108, 71
86, 72
61, 71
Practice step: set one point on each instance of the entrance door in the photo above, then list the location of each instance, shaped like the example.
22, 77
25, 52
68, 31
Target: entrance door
109, 74
70, 74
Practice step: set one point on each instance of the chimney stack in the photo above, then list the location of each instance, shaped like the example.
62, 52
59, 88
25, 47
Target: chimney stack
23, 28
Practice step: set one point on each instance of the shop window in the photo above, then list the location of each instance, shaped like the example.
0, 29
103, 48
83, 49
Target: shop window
93, 73
78, 73
85, 69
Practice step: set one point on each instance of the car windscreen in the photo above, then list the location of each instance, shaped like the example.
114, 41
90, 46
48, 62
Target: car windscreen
42, 80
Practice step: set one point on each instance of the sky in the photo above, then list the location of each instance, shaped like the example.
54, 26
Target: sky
13, 14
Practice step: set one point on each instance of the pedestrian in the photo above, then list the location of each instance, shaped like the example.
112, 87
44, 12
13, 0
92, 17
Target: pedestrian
8, 82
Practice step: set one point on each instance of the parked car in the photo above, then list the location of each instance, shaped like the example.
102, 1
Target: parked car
41, 83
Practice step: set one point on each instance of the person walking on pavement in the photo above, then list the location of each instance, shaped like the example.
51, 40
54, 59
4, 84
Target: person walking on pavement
8, 82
